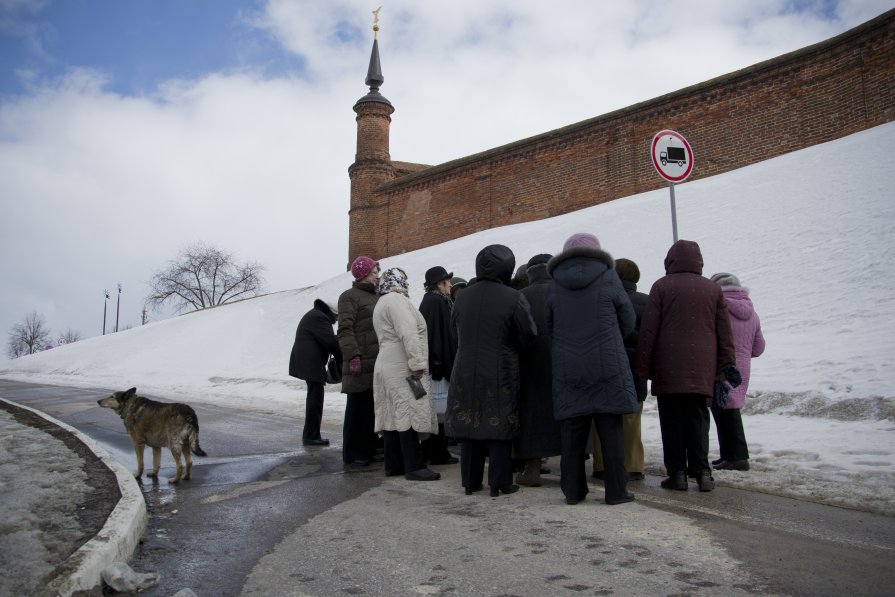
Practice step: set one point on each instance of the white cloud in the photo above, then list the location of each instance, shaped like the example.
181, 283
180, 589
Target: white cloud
97, 188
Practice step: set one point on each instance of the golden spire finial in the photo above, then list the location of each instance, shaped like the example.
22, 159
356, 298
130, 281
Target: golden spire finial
376, 23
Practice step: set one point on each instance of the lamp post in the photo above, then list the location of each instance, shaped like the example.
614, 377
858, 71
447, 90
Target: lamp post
118, 308
105, 304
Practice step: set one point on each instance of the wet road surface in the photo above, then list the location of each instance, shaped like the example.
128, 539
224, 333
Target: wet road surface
240, 525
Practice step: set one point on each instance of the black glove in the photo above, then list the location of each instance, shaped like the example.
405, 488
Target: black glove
732, 375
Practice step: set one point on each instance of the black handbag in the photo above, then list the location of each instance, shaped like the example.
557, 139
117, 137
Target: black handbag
333, 370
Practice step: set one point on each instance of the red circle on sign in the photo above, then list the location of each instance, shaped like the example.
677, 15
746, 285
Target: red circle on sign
668, 175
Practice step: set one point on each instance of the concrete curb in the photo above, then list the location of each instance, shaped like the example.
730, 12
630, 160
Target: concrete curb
117, 539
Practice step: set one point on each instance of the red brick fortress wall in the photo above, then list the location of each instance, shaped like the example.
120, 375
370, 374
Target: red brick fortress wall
817, 94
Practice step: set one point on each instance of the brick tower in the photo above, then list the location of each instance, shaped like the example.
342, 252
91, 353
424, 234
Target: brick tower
368, 216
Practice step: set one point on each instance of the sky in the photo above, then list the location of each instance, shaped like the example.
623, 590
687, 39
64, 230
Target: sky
820, 411
129, 130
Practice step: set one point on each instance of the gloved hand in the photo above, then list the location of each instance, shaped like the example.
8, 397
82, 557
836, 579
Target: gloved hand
732, 375
354, 366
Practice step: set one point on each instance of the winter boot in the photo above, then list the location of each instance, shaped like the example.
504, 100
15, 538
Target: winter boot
531, 476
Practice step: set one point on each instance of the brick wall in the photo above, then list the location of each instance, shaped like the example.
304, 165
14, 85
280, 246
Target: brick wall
817, 94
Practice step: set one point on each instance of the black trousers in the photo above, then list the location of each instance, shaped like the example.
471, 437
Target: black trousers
435, 447
472, 462
358, 439
313, 410
574, 433
403, 453
731, 436
684, 423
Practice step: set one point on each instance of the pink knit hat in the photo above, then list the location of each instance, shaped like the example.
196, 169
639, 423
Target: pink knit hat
582, 239
362, 266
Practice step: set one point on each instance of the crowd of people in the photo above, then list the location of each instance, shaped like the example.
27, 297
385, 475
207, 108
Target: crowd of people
518, 365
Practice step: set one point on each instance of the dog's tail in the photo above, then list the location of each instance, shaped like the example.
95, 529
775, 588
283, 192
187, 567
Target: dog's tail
193, 421
196, 449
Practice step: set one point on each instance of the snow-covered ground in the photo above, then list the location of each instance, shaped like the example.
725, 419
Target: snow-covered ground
811, 233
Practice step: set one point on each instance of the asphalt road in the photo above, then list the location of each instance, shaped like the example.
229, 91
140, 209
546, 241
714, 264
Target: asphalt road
264, 516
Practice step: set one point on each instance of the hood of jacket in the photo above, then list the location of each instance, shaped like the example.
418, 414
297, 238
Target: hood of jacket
495, 262
322, 306
684, 256
739, 304
578, 268
537, 274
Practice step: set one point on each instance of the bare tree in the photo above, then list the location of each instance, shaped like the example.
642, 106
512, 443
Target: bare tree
204, 276
14, 347
71, 335
30, 336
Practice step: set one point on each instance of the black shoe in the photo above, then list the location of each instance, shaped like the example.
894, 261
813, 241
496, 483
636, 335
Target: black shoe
719, 461
598, 475
732, 465
449, 460
635, 477
623, 499
315, 442
676, 481
422, 474
495, 491
472, 490
393, 473
356, 464
705, 480
377, 458
571, 501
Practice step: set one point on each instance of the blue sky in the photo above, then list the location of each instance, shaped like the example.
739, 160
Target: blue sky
137, 44
129, 129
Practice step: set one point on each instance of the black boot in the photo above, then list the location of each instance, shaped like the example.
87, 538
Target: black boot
677, 480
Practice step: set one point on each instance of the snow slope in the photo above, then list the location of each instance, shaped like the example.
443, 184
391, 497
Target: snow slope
810, 233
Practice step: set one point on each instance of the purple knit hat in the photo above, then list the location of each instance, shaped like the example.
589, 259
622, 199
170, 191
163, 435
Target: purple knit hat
362, 266
582, 239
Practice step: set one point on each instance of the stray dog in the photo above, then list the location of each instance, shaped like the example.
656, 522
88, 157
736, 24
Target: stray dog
157, 424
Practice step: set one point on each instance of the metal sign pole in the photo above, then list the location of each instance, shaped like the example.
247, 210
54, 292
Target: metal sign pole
673, 212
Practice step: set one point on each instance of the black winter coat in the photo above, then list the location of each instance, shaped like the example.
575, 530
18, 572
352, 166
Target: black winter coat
539, 435
493, 322
436, 310
357, 336
638, 301
314, 342
588, 315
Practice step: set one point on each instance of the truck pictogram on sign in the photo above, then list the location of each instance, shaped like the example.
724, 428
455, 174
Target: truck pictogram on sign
673, 154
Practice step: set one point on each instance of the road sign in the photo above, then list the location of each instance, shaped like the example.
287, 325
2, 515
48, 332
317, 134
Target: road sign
672, 156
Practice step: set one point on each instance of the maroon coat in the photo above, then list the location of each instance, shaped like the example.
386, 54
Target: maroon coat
685, 337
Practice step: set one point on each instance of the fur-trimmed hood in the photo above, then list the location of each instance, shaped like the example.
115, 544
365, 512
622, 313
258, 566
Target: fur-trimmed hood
579, 267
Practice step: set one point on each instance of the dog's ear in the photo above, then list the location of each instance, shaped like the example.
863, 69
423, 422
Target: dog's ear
130, 393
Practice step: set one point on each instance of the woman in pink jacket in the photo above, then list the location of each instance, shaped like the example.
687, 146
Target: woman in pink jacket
748, 342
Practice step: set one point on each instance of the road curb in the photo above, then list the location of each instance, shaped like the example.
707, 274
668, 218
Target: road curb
121, 533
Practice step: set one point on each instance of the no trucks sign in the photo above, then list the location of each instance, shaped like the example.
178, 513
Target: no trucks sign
673, 160
672, 156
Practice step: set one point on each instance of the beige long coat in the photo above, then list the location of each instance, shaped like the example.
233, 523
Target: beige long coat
403, 348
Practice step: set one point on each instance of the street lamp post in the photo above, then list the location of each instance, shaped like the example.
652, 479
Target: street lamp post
118, 308
105, 304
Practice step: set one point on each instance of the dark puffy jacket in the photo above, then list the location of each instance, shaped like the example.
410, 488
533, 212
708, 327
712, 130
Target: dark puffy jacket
588, 315
436, 310
357, 336
314, 342
685, 338
493, 322
638, 301
539, 434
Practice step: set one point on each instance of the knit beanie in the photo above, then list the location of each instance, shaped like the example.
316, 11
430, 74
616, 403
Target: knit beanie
627, 270
540, 259
362, 266
725, 279
583, 240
